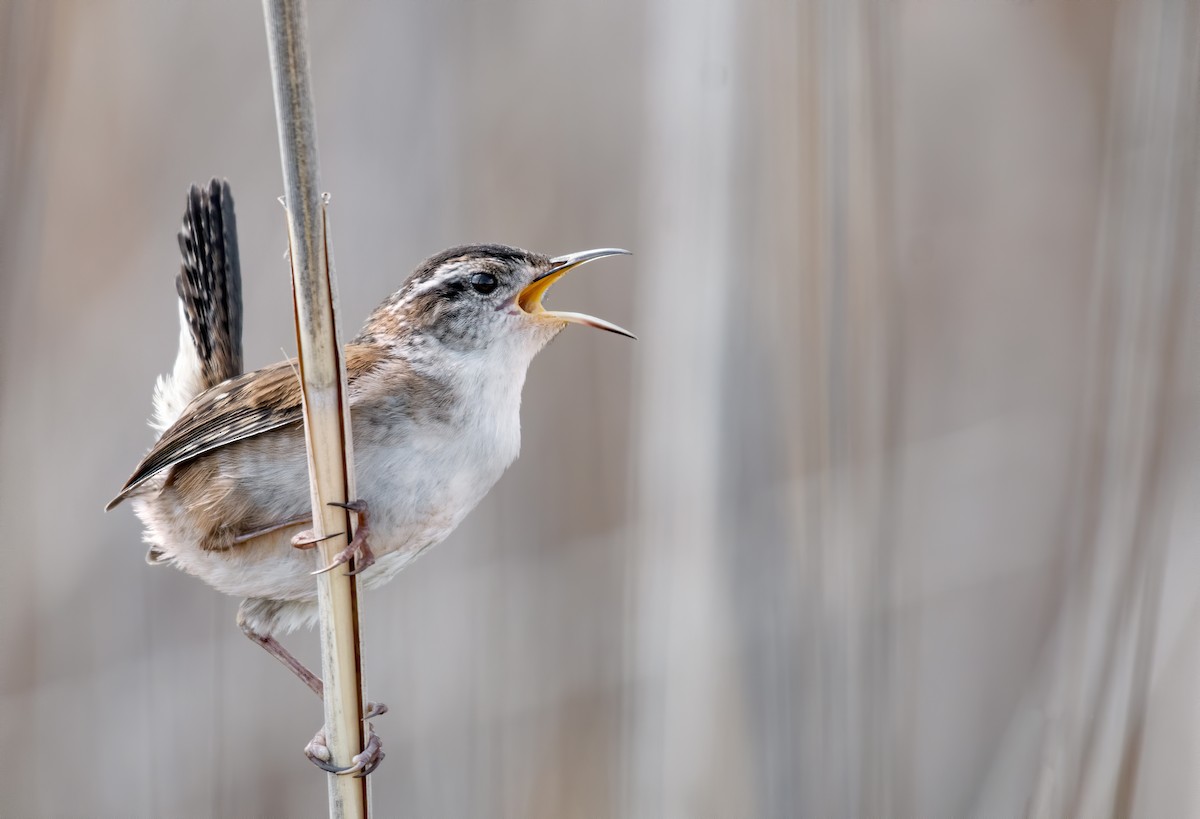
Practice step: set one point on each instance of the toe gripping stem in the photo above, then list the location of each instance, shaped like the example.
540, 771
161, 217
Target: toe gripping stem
358, 548
361, 764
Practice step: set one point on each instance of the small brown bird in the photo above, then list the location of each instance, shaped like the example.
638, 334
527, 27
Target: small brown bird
434, 380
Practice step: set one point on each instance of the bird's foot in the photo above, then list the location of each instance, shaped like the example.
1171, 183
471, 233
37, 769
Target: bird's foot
361, 764
357, 548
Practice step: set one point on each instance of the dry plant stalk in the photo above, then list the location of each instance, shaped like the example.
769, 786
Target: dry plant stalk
326, 408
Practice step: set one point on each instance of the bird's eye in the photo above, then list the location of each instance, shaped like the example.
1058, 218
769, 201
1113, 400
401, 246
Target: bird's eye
483, 282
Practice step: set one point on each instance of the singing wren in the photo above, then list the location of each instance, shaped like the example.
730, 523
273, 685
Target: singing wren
434, 380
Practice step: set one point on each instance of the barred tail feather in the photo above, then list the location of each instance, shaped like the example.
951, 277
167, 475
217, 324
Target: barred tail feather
210, 303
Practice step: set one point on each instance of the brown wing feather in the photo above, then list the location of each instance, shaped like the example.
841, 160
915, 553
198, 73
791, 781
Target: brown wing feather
237, 409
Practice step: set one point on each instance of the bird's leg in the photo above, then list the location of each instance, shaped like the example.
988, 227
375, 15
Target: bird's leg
317, 751
242, 537
358, 547
276, 650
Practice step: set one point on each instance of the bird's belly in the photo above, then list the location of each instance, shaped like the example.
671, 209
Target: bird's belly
411, 511
404, 522
416, 494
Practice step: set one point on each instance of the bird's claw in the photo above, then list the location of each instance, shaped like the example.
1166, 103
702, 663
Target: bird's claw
370, 758
357, 548
318, 753
308, 539
361, 764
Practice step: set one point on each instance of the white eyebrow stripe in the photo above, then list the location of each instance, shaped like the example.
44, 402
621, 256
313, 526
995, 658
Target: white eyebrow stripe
447, 272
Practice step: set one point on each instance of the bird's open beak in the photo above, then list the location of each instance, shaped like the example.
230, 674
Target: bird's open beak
530, 298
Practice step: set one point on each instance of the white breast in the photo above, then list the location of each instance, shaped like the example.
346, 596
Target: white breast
420, 487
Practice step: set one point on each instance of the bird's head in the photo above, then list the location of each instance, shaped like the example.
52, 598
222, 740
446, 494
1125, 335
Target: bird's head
479, 297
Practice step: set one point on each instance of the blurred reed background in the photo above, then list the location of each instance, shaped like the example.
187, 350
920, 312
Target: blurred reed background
891, 511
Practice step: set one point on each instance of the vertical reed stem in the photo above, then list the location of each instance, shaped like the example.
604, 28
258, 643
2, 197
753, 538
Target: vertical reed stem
326, 411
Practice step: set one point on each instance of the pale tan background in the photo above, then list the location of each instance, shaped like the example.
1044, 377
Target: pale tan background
890, 512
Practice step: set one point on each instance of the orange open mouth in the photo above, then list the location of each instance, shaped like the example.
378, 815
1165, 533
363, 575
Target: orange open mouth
530, 298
